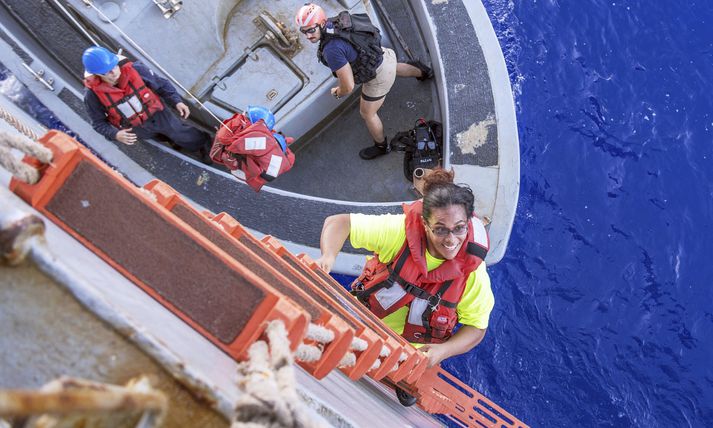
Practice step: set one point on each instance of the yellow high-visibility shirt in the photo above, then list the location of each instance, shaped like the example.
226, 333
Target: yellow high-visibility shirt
386, 234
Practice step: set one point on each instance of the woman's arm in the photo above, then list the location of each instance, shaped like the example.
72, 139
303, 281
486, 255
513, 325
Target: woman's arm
465, 339
334, 234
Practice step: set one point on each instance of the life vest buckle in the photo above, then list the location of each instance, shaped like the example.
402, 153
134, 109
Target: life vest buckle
434, 301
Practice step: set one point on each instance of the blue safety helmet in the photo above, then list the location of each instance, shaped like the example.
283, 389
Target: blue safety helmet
256, 113
98, 60
280, 140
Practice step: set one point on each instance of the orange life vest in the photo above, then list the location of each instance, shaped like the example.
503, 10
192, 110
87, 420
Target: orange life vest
130, 102
432, 296
251, 151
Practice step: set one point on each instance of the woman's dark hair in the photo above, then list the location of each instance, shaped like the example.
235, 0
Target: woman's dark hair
439, 191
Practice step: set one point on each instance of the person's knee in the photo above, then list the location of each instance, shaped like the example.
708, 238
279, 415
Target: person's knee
368, 112
365, 114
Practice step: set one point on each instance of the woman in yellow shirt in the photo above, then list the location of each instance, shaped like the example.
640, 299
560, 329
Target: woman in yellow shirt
427, 273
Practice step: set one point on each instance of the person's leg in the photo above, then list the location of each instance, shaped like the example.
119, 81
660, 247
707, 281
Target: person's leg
181, 133
407, 70
373, 94
145, 131
368, 111
415, 69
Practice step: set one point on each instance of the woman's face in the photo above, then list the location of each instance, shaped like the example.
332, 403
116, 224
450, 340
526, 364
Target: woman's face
446, 229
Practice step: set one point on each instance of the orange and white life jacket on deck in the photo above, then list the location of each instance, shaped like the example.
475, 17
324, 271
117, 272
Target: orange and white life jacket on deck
251, 151
432, 296
130, 102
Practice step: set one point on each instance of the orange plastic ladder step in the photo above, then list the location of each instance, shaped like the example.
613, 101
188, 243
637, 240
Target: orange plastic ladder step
161, 254
415, 363
335, 350
364, 359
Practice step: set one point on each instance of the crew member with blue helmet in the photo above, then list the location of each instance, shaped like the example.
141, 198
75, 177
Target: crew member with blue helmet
125, 101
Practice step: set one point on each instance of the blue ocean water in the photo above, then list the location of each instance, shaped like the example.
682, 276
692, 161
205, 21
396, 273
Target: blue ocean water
602, 313
603, 301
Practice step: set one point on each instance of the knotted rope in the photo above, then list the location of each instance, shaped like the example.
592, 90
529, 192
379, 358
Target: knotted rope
268, 382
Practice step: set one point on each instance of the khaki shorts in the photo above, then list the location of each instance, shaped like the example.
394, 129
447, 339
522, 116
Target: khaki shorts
377, 88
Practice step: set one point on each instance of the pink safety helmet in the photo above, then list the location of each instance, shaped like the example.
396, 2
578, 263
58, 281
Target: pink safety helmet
310, 15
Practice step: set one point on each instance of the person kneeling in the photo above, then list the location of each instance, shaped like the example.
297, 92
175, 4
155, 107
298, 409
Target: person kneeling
125, 102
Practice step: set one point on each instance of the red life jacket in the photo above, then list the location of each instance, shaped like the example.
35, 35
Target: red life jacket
251, 151
432, 296
130, 102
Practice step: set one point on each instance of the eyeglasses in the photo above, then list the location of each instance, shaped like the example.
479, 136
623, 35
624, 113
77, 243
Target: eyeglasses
442, 232
310, 30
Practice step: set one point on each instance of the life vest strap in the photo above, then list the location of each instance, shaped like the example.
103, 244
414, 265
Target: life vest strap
426, 316
477, 250
433, 299
266, 177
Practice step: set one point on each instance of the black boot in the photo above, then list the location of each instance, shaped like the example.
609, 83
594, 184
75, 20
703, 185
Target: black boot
426, 72
406, 399
376, 150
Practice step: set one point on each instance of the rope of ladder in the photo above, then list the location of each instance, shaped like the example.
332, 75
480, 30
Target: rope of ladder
322, 336
15, 166
268, 384
28, 146
63, 399
17, 124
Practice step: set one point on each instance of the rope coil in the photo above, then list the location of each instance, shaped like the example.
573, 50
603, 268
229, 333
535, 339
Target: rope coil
319, 334
359, 345
56, 403
308, 353
348, 360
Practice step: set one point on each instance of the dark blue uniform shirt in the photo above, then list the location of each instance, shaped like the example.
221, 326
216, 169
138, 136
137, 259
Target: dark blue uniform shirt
338, 52
158, 84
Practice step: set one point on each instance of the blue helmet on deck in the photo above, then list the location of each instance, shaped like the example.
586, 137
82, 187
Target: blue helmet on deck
280, 140
256, 113
98, 60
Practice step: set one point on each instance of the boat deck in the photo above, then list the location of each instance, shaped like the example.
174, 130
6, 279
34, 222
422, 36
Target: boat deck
470, 94
328, 165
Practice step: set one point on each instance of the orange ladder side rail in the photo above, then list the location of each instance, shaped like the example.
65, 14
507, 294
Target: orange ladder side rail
416, 363
65, 179
390, 367
364, 359
440, 392
388, 363
335, 350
